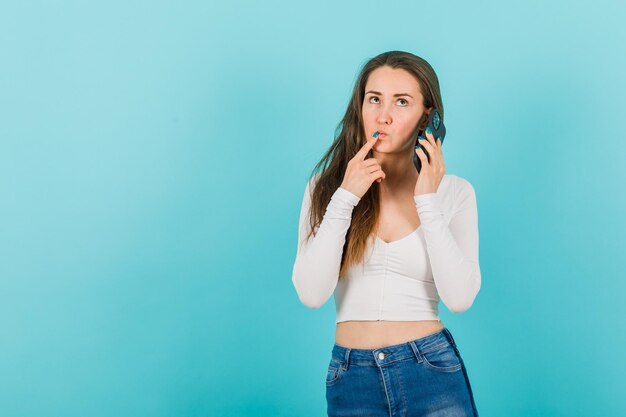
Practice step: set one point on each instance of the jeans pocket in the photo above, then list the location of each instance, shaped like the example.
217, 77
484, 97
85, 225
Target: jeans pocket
444, 358
334, 372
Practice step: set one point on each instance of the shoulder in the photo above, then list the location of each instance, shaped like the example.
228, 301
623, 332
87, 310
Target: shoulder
463, 191
463, 186
448, 185
314, 178
310, 185
454, 188
453, 183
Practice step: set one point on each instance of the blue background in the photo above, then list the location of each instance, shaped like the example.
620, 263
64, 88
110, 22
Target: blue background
153, 158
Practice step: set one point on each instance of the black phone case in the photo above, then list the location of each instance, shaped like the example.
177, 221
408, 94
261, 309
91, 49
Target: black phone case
435, 122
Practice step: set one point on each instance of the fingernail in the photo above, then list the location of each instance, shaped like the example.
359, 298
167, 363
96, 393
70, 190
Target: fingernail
428, 130
375, 134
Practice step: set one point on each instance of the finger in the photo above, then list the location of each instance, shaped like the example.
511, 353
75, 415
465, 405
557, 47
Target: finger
371, 161
366, 148
436, 158
420, 153
426, 144
378, 174
373, 168
430, 138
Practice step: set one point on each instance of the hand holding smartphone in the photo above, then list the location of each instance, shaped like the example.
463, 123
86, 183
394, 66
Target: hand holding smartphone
435, 123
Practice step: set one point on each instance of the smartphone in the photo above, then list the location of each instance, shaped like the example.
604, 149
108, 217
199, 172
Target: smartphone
435, 122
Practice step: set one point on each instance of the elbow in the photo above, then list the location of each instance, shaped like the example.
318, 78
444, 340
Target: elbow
314, 283
460, 304
307, 297
310, 302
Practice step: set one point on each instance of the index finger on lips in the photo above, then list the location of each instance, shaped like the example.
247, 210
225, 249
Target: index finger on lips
366, 148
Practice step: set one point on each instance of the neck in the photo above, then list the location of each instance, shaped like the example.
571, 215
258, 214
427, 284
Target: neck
400, 172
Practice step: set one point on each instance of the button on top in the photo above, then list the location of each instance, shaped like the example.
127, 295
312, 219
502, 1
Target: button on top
381, 355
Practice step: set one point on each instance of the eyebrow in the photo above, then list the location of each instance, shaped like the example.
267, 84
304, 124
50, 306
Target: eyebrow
395, 95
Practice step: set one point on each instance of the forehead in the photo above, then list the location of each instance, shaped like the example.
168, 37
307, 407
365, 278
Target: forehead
390, 81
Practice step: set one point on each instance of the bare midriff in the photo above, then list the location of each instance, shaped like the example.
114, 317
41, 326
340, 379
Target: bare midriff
378, 334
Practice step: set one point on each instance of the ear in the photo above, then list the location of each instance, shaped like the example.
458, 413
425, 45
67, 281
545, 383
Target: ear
424, 120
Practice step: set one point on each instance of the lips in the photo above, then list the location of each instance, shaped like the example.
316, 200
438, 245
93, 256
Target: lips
382, 133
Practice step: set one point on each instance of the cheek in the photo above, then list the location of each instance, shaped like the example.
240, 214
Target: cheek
411, 121
408, 125
369, 118
367, 113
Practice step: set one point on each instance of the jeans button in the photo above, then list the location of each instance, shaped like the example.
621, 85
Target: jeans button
381, 356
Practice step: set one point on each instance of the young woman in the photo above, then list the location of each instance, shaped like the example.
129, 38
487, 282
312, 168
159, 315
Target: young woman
389, 242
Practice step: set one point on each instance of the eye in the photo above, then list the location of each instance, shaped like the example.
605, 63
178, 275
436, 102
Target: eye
401, 99
372, 98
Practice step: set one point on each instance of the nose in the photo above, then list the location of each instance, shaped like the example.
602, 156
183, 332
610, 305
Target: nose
384, 116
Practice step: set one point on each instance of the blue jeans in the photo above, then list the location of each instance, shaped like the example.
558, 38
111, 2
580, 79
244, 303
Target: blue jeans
422, 377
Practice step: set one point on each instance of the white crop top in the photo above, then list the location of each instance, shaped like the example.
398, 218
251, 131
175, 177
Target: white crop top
402, 280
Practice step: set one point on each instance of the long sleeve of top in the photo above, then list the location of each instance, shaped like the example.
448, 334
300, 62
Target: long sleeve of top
453, 248
316, 268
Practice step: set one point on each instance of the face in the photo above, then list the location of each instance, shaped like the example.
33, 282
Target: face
392, 104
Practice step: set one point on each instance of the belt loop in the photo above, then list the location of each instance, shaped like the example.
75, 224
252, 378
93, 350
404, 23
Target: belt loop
416, 351
445, 329
347, 358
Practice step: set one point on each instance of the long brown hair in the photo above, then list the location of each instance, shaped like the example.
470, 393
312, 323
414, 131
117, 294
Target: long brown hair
349, 138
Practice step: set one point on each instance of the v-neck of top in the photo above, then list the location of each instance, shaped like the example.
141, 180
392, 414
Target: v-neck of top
398, 240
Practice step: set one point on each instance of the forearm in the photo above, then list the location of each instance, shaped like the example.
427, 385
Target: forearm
317, 264
456, 270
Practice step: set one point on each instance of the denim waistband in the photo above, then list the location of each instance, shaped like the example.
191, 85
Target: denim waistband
413, 348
